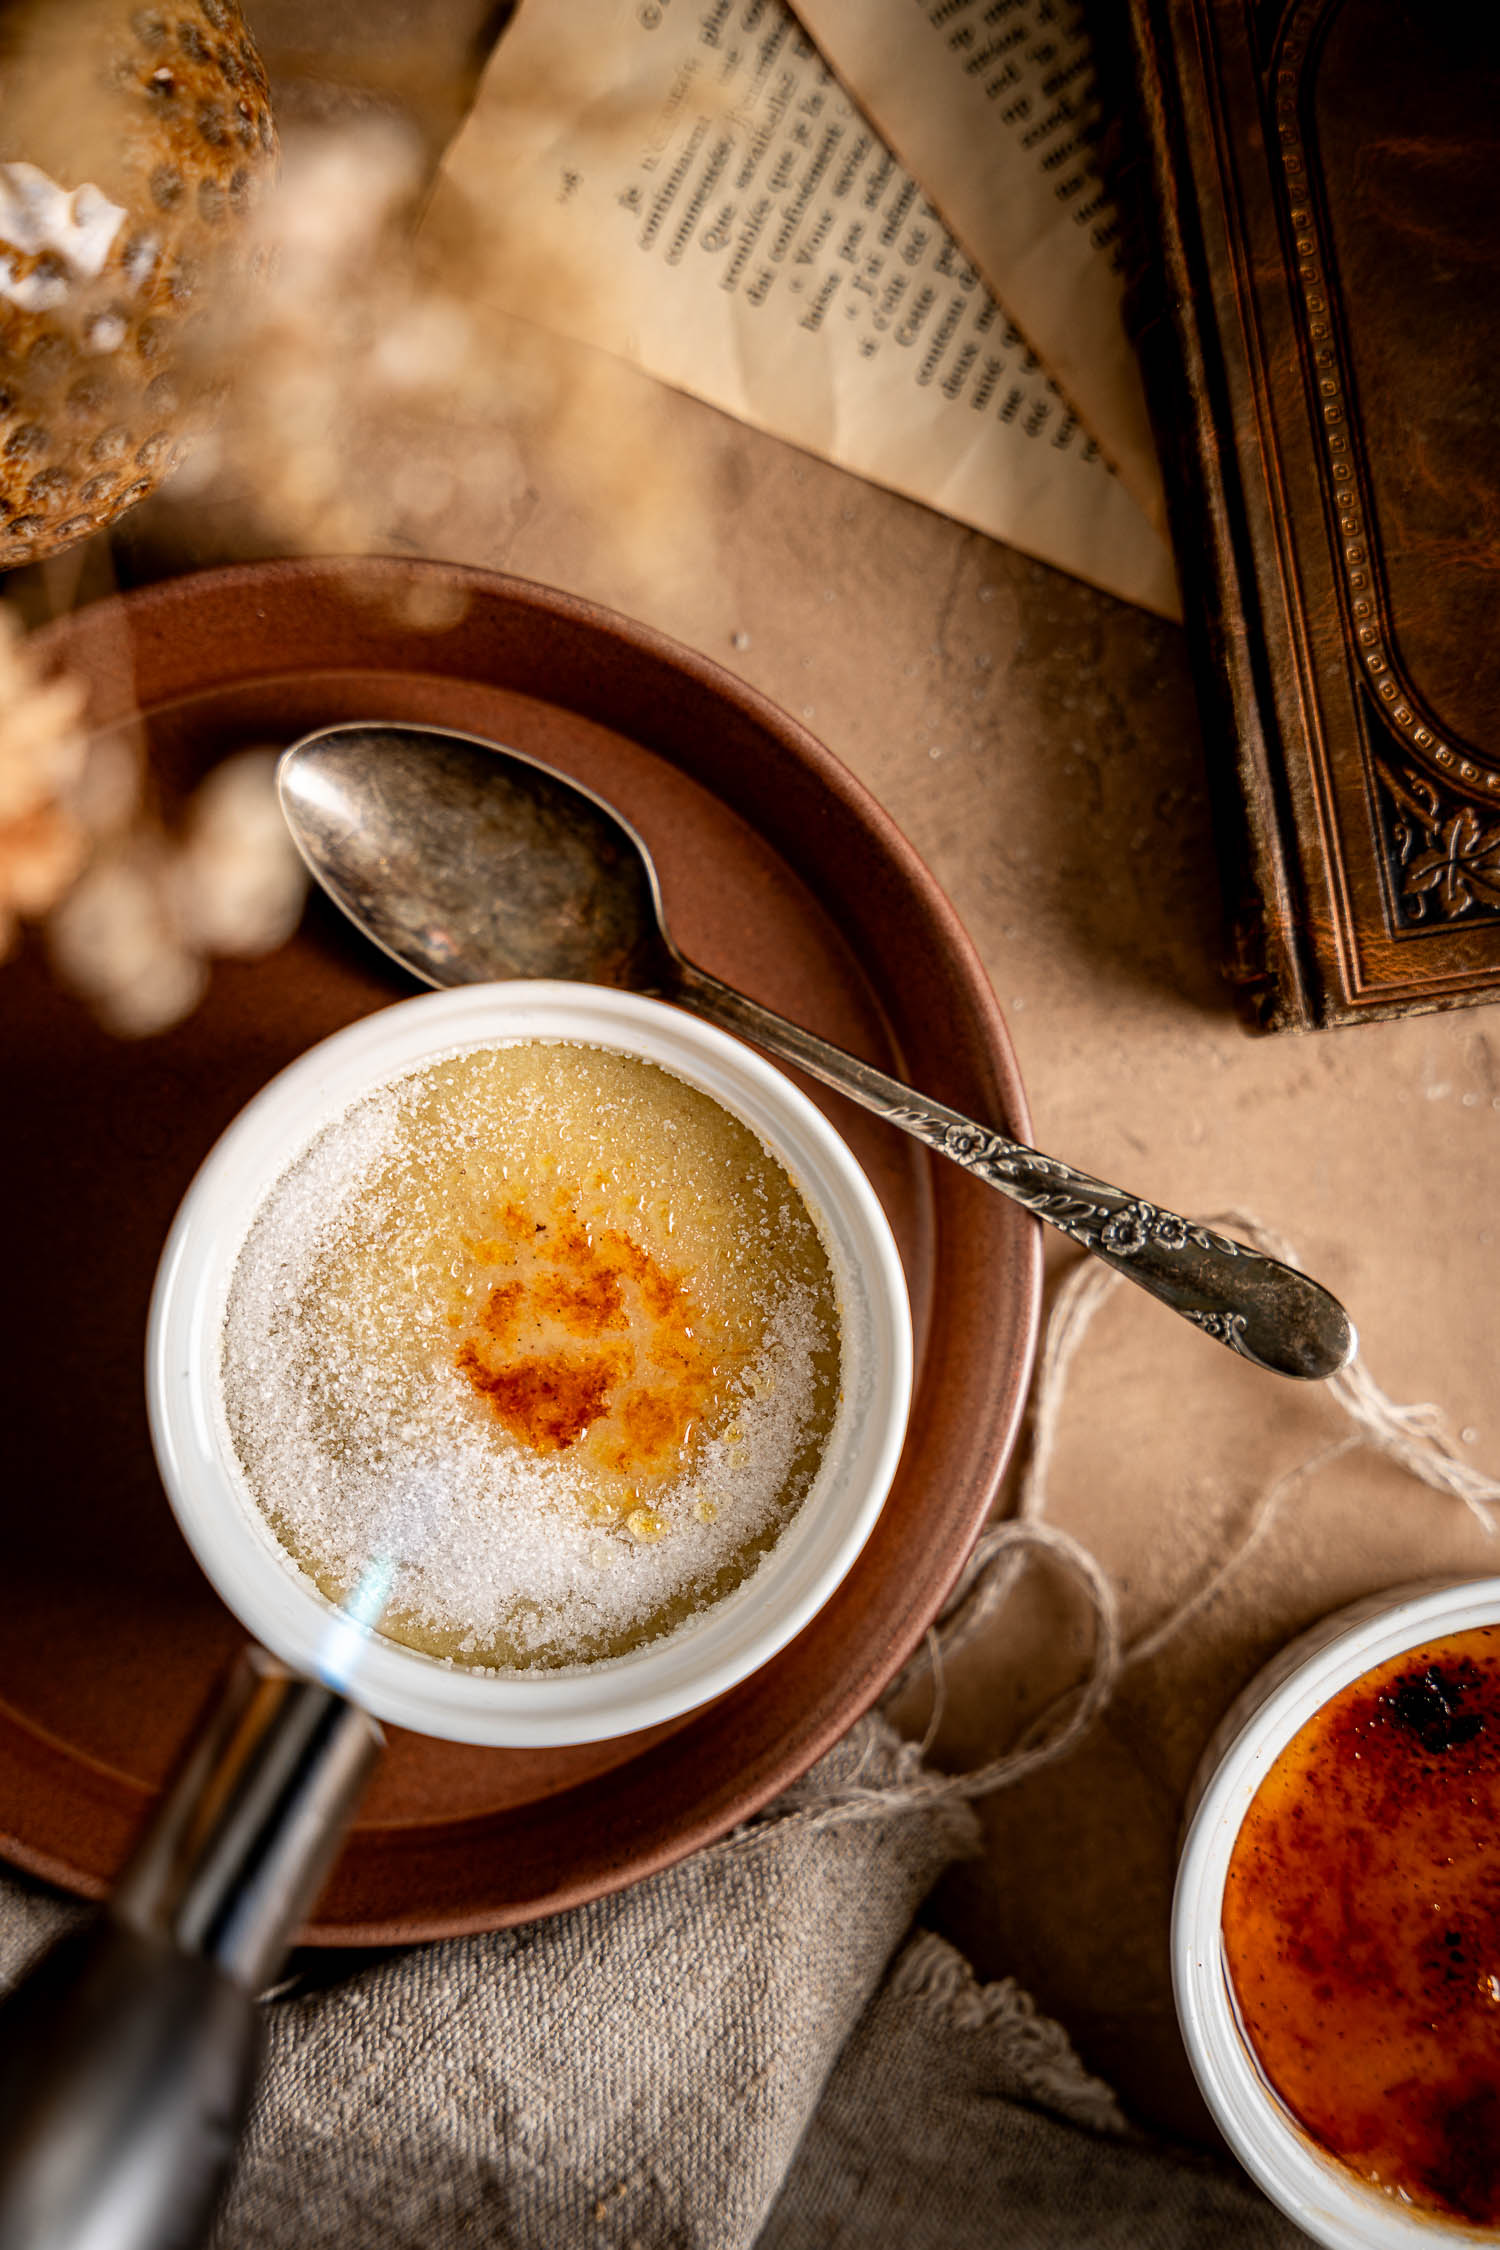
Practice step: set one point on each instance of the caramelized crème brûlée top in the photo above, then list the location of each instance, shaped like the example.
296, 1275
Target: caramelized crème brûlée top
1362, 1927
544, 1341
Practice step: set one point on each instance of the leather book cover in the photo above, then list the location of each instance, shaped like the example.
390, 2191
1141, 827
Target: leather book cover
1315, 292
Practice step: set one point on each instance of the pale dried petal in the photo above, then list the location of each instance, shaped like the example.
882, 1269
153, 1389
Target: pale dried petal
40, 855
160, 995
41, 749
113, 939
108, 793
238, 885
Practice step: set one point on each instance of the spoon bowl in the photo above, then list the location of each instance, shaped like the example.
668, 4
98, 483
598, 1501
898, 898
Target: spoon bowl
467, 862
470, 872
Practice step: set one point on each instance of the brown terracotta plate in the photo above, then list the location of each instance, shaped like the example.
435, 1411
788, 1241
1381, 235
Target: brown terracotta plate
782, 875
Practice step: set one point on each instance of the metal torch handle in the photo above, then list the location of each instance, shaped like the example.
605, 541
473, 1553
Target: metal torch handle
128, 2057
126, 2070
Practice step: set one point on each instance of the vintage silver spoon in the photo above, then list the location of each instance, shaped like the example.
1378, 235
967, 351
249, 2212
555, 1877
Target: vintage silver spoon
467, 862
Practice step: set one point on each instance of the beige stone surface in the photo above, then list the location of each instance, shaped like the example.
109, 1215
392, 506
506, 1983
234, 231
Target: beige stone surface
1038, 743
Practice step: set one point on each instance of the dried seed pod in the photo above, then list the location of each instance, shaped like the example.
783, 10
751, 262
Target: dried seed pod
133, 142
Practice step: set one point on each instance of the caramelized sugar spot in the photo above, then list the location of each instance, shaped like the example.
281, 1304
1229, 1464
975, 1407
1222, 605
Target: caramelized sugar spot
546, 1402
588, 1336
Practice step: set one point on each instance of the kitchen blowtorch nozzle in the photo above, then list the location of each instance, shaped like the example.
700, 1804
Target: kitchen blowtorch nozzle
128, 2056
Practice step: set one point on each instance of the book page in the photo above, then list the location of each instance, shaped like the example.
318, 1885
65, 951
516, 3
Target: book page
688, 186
992, 103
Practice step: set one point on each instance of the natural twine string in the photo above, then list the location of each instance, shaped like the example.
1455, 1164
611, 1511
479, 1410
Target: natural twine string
1416, 1437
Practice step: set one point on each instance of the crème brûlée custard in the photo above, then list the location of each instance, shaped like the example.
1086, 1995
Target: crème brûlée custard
1362, 1927
539, 1340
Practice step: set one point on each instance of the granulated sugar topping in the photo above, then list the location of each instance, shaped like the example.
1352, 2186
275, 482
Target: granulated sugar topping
548, 1332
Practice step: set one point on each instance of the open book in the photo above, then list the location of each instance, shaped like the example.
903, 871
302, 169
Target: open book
909, 268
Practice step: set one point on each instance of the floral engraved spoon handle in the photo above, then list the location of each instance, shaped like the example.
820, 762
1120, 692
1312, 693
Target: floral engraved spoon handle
1260, 1308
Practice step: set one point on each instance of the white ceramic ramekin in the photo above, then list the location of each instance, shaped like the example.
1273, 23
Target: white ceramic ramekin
701, 1660
1322, 2195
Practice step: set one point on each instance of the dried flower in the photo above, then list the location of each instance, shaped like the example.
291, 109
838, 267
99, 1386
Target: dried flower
135, 147
135, 932
237, 885
114, 939
43, 842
